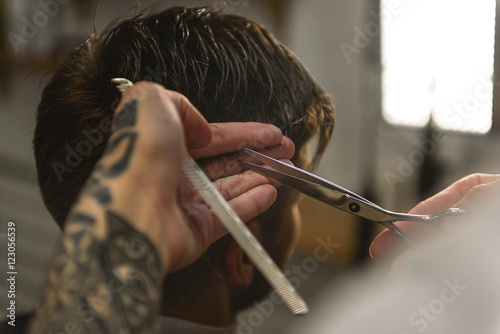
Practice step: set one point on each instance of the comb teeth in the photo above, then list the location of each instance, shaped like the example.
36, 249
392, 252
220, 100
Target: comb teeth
236, 227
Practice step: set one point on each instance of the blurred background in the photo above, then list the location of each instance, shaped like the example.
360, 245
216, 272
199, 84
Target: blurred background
415, 90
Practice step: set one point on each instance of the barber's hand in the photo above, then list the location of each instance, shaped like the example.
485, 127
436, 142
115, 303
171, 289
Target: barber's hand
133, 221
467, 193
157, 196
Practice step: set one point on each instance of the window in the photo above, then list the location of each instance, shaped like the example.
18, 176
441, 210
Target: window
437, 63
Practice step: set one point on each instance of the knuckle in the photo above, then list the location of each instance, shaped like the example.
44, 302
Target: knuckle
479, 192
465, 185
146, 88
482, 189
182, 101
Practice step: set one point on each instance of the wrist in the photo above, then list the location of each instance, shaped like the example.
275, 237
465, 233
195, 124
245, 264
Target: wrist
146, 212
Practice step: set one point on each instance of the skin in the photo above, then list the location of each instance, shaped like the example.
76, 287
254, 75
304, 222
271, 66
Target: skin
233, 275
467, 193
129, 227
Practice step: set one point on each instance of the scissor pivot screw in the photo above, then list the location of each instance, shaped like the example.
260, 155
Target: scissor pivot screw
354, 207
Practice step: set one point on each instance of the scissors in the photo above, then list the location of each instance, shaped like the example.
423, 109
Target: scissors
337, 196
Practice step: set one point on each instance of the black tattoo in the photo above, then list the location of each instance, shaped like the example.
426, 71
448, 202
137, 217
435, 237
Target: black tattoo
97, 190
126, 117
136, 264
105, 276
124, 120
81, 218
117, 167
101, 286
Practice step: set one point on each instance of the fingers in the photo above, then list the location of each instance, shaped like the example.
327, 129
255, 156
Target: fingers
229, 187
248, 206
400, 264
386, 246
156, 101
203, 140
248, 193
235, 185
467, 193
479, 195
453, 194
221, 167
196, 129
231, 137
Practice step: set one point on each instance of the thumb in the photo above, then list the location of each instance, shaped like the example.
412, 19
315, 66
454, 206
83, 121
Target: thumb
196, 129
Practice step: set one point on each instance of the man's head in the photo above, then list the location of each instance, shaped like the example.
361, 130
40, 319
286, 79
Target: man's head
231, 68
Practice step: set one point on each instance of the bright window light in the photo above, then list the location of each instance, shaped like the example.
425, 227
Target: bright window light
437, 60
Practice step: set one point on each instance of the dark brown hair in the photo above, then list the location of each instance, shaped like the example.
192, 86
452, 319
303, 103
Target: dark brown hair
231, 68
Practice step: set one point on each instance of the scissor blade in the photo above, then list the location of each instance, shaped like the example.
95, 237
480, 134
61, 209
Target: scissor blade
326, 195
301, 174
283, 167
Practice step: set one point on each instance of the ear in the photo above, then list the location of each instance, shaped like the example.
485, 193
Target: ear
241, 269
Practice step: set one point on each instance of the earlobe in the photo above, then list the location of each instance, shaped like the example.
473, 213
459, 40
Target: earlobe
241, 269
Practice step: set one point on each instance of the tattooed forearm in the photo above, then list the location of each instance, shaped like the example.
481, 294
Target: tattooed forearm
101, 286
137, 266
105, 277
